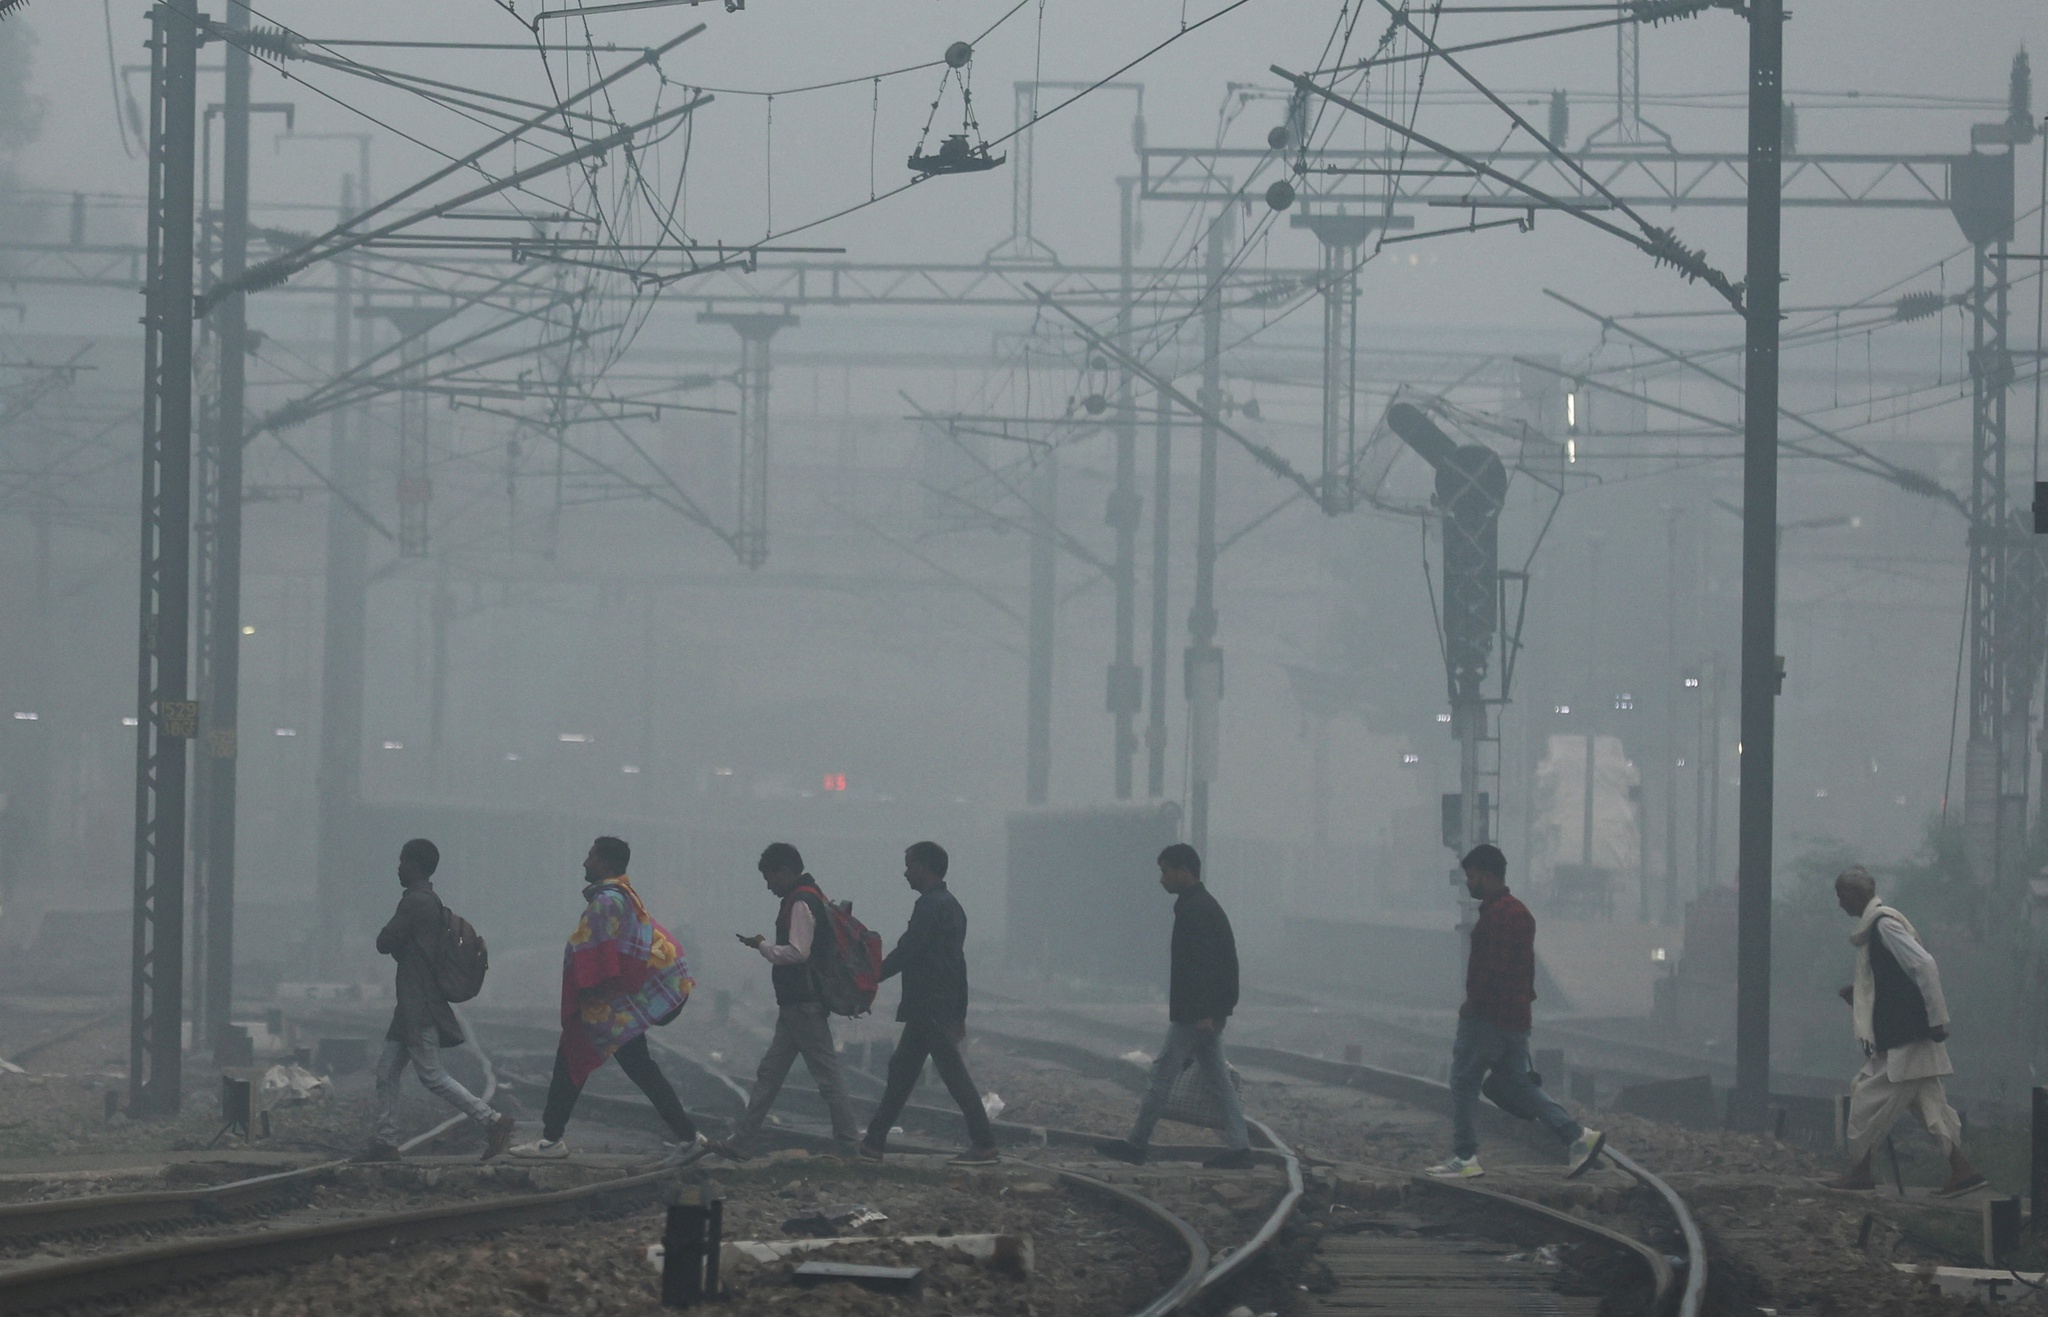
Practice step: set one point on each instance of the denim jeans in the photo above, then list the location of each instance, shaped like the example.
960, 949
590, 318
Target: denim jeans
423, 1053
1184, 1041
1484, 1047
801, 1030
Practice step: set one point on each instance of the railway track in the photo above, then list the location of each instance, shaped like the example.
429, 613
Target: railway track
1383, 1261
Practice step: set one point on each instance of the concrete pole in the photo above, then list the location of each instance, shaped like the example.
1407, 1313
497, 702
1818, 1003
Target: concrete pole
1044, 568
1162, 506
1669, 699
339, 776
1204, 671
1126, 680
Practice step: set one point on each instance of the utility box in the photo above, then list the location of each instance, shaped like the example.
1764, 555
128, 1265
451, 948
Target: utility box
1084, 900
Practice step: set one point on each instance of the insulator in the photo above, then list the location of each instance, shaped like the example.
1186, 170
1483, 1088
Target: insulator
1918, 306
272, 41
1658, 11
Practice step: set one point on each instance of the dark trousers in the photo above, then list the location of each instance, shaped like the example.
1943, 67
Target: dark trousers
923, 1039
639, 1066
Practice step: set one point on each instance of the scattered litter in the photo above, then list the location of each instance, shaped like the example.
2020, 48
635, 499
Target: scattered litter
893, 1280
1136, 1057
718, 1056
294, 1083
1241, 1311
1011, 1254
834, 1219
9, 1068
993, 1105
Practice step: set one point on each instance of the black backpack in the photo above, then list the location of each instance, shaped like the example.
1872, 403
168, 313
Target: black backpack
459, 958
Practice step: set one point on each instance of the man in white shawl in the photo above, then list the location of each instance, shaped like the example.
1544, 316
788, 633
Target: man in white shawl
1902, 1022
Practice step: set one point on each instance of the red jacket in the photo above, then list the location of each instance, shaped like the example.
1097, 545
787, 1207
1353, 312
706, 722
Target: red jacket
1500, 976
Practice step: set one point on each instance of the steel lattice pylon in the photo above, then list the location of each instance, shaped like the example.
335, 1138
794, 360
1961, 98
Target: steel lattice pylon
166, 720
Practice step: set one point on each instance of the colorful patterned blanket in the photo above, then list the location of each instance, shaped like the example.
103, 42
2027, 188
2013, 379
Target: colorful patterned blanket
621, 974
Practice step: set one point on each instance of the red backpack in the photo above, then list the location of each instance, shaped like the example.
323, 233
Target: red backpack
851, 973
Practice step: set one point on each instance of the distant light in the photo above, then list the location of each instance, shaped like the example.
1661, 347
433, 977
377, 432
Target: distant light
629, 768
721, 772
1624, 701
1855, 523
248, 628
835, 781
1571, 409
575, 738
1443, 717
1820, 793
394, 745
1681, 763
1692, 683
287, 731
1571, 450
1898, 800
1562, 708
511, 757
131, 721
24, 716
1659, 955
1411, 759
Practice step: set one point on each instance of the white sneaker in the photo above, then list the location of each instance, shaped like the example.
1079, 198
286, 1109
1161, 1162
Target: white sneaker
685, 1152
1585, 1152
1451, 1168
542, 1150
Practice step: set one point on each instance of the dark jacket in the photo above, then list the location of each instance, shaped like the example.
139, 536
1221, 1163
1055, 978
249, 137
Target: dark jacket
932, 959
795, 984
1204, 976
409, 937
1899, 1014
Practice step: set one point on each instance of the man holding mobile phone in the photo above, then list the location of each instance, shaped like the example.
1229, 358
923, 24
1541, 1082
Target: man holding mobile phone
802, 1026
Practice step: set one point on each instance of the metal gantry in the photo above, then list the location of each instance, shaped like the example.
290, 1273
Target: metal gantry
166, 718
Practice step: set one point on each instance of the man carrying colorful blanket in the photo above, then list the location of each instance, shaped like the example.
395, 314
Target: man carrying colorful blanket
621, 975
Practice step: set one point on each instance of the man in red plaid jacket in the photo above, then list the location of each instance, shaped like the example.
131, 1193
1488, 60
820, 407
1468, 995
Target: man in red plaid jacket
1492, 1050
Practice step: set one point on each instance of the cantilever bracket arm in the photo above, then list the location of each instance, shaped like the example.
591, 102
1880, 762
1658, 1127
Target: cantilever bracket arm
1661, 245
1264, 456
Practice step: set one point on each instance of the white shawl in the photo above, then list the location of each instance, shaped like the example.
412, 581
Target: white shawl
1916, 1060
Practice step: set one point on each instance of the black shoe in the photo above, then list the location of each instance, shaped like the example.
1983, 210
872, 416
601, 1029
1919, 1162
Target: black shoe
1122, 1150
870, 1153
1232, 1159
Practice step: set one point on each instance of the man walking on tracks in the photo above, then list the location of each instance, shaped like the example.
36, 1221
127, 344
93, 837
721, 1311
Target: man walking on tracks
932, 960
803, 936
1901, 1019
423, 1022
1492, 1050
1202, 992
622, 973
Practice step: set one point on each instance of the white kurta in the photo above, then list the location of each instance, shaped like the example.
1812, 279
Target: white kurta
1905, 1078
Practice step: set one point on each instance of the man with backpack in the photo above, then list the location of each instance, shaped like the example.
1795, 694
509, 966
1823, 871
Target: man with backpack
423, 1022
932, 959
804, 940
622, 973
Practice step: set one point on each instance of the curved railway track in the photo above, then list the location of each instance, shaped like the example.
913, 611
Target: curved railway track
1208, 1269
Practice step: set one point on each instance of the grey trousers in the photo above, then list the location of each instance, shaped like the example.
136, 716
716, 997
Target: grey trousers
422, 1051
801, 1030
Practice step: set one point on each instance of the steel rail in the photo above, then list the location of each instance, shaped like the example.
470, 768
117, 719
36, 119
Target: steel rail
1181, 1291
97, 1212
1416, 1090
78, 1279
